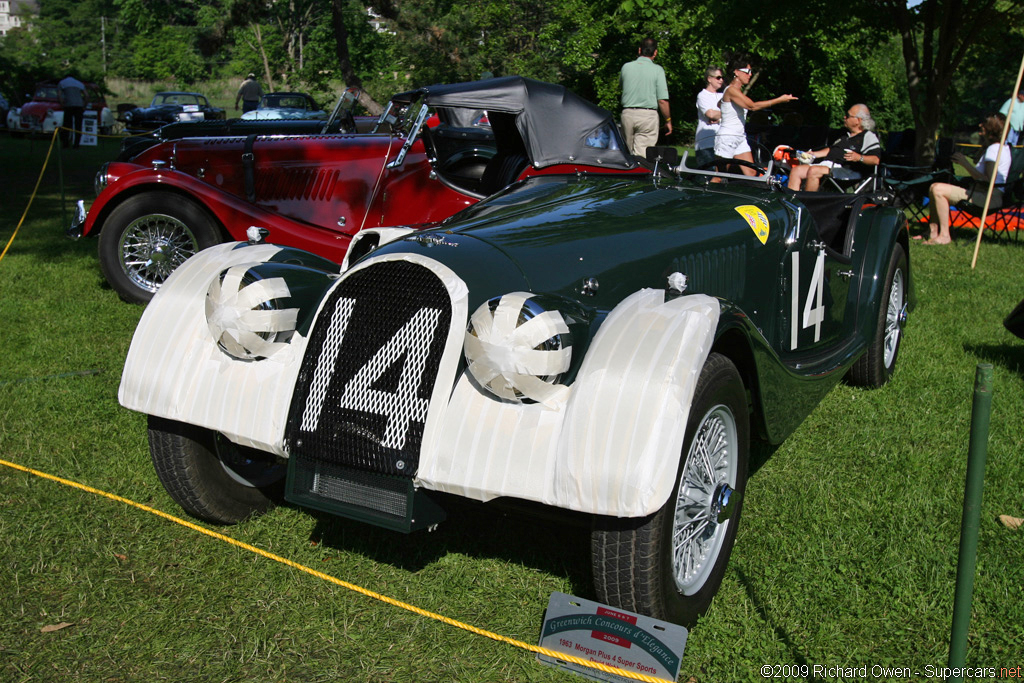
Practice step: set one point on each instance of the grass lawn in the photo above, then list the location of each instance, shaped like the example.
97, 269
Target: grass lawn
846, 554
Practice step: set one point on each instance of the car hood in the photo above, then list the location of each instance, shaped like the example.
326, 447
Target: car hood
626, 234
39, 109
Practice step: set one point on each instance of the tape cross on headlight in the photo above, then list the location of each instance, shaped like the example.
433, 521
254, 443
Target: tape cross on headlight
242, 329
503, 354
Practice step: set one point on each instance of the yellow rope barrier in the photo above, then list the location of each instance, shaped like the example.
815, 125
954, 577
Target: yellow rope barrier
339, 582
35, 190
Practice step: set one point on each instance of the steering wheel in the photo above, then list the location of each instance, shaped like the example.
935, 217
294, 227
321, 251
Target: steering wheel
721, 164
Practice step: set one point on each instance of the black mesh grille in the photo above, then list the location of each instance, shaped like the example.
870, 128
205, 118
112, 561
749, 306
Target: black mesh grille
370, 366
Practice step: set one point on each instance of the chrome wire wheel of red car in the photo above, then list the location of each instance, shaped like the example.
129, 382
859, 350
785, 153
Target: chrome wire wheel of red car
669, 565
147, 237
876, 366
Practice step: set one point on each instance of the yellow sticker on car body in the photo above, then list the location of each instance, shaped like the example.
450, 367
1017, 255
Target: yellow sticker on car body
756, 219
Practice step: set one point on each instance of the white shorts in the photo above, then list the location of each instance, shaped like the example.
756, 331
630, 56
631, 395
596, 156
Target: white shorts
730, 145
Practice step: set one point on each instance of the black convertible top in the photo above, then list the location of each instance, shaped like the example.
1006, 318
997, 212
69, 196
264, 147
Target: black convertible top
557, 125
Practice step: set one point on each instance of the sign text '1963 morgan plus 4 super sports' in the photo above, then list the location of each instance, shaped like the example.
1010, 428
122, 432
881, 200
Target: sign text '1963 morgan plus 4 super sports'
603, 344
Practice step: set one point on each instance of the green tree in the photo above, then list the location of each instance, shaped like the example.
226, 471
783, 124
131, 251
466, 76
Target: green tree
65, 36
166, 54
936, 37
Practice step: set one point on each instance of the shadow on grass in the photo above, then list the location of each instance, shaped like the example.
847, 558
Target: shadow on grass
556, 542
1009, 356
557, 545
780, 634
760, 452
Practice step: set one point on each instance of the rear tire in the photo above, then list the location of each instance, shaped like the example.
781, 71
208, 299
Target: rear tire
210, 477
876, 366
147, 237
669, 565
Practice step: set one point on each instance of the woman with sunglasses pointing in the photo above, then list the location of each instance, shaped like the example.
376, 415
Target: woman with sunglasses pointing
731, 139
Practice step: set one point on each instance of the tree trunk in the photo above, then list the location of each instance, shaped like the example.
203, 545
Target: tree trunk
267, 73
935, 39
348, 73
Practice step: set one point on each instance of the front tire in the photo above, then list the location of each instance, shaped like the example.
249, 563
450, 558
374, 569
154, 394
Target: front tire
210, 477
876, 366
669, 565
147, 237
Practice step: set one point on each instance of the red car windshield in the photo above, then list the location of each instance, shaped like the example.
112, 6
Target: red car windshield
46, 92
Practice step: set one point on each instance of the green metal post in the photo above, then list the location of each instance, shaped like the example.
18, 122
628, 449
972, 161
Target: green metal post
969, 523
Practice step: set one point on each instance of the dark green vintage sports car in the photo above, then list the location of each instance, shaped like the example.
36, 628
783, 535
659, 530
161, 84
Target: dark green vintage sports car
602, 344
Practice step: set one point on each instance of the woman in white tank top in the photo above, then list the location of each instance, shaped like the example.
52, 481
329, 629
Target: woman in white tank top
731, 139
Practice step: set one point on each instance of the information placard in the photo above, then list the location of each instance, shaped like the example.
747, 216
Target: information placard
89, 126
613, 637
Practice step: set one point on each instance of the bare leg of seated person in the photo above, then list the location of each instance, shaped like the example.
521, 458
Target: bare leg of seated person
942, 195
797, 176
814, 176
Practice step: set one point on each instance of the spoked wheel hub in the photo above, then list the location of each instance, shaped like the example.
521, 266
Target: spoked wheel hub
895, 318
722, 504
152, 246
705, 501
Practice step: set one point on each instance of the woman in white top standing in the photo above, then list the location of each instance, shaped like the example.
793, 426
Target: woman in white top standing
944, 194
731, 138
708, 116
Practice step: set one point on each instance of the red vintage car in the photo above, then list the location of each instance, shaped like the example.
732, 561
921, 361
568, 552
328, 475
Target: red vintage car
316, 191
44, 113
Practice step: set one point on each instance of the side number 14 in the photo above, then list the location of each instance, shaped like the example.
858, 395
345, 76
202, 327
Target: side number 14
814, 309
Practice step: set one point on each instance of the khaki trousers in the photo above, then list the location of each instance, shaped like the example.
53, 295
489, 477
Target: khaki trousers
640, 128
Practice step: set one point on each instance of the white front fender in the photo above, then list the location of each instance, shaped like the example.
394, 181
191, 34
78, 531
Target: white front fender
176, 370
611, 446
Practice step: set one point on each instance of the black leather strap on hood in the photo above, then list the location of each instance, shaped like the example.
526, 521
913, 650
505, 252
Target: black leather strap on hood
249, 168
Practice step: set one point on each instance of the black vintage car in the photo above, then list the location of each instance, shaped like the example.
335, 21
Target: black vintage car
340, 120
170, 107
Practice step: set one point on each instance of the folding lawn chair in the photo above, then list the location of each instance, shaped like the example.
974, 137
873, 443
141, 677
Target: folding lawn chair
1005, 212
910, 183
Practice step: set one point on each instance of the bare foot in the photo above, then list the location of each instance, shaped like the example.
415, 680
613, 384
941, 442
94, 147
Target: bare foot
937, 241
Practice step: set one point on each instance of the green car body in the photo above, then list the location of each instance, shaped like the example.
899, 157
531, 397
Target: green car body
603, 344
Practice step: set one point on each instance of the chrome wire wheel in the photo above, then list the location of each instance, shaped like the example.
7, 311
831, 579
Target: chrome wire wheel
152, 246
703, 505
895, 316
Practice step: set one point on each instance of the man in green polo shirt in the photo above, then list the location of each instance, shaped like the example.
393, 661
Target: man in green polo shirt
644, 93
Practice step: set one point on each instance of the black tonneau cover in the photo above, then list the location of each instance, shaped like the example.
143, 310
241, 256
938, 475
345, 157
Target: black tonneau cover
554, 122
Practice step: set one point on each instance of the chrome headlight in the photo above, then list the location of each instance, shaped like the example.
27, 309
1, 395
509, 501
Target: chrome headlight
244, 315
102, 179
518, 349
